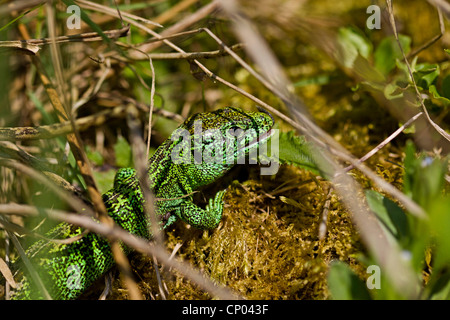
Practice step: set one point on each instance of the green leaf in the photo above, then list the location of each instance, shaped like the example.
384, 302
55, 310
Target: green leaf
426, 73
364, 69
292, 202
320, 80
351, 44
389, 213
424, 176
440, 227
435, 94
47, 118
123, 153
409, 164
20, 16
94, 156
388, 52
344, 284
295, 150
438, 286
104, 179
393, 91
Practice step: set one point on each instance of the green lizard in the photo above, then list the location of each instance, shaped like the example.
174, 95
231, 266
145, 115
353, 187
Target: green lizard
69, 269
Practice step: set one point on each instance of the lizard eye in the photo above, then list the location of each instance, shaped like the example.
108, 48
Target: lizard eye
235, 131
235, 128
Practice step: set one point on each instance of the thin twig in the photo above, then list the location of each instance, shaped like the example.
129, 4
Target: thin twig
18, 5
108, 286
34, 45
326, 209
24, 231
125, 16
138, 150
82, 124
176, 28
152, 104
384, 142
159, 279
180, 55
94, 88
125, 271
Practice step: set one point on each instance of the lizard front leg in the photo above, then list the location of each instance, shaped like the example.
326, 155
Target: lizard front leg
197, 217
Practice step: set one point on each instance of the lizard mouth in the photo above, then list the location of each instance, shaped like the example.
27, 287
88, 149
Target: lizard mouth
261, 138
242, 150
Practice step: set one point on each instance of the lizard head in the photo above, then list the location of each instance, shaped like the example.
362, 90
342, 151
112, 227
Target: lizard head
230, 118
219, 139
247, 129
